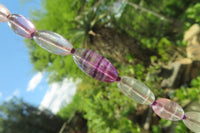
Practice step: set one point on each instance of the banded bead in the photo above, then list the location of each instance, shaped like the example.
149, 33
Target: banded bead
53, 42
192, 121
21, 26
95, 65
4, 13
168, 110
136, 90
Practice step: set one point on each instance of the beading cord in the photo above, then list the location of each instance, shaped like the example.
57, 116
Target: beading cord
100, 68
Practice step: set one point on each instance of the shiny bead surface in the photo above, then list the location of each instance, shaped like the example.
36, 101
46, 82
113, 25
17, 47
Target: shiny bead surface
95, 65
21, 26
4, 13
168, 110
136, 90
53, 42
192, 121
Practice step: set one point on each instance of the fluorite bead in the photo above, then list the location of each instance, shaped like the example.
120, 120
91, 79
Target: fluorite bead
192, 121
53, 42
95, 65
4, 13
136, 90
168, 110
21, 26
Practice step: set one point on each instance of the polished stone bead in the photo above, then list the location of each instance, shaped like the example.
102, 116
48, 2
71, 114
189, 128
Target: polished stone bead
4, 13
53, 42
136, 90
95, 65
192, 121
22, 26
168, 109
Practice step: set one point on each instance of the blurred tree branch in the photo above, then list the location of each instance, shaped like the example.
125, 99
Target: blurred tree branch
160, 16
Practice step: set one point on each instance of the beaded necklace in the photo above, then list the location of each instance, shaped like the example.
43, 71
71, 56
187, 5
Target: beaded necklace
100, 68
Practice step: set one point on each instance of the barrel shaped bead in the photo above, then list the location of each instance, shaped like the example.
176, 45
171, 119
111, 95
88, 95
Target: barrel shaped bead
4, 13
192, 121
95, 65
136, 90
52, 42
168, 109
21, 26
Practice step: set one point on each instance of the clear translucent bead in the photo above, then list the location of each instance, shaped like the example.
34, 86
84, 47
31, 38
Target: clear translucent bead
53, 42
4, 13
95, 65
168, 109
21, 26
192, 121
136, 90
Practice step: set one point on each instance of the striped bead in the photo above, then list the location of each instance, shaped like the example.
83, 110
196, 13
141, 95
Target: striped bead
53, 42
168, 110
22, 26
95, 65
192, 121
136, 90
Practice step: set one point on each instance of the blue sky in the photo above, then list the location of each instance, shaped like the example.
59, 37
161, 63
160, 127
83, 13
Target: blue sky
16, 69
17, 77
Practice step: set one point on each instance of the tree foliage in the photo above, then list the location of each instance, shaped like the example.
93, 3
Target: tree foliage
16, 116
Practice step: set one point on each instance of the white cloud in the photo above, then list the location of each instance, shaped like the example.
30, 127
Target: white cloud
58, 95
1, 94
33, 83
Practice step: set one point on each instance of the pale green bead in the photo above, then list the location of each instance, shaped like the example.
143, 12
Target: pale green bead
192, 121
53, 42
136, 90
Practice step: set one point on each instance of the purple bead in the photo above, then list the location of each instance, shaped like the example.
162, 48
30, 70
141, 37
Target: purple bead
168, 110
22, 26
4, 13
95, 65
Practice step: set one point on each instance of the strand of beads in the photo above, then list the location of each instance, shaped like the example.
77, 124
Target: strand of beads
100, 68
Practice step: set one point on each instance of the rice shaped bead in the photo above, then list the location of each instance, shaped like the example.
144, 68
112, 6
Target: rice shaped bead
136, 90
4, 13
168, 109
95, 65
21, 26
53, 42
192, 121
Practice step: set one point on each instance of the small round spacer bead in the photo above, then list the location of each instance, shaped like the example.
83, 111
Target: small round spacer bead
184, 117
154, 103
73, 51
118, 79
8, 16
33, 34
